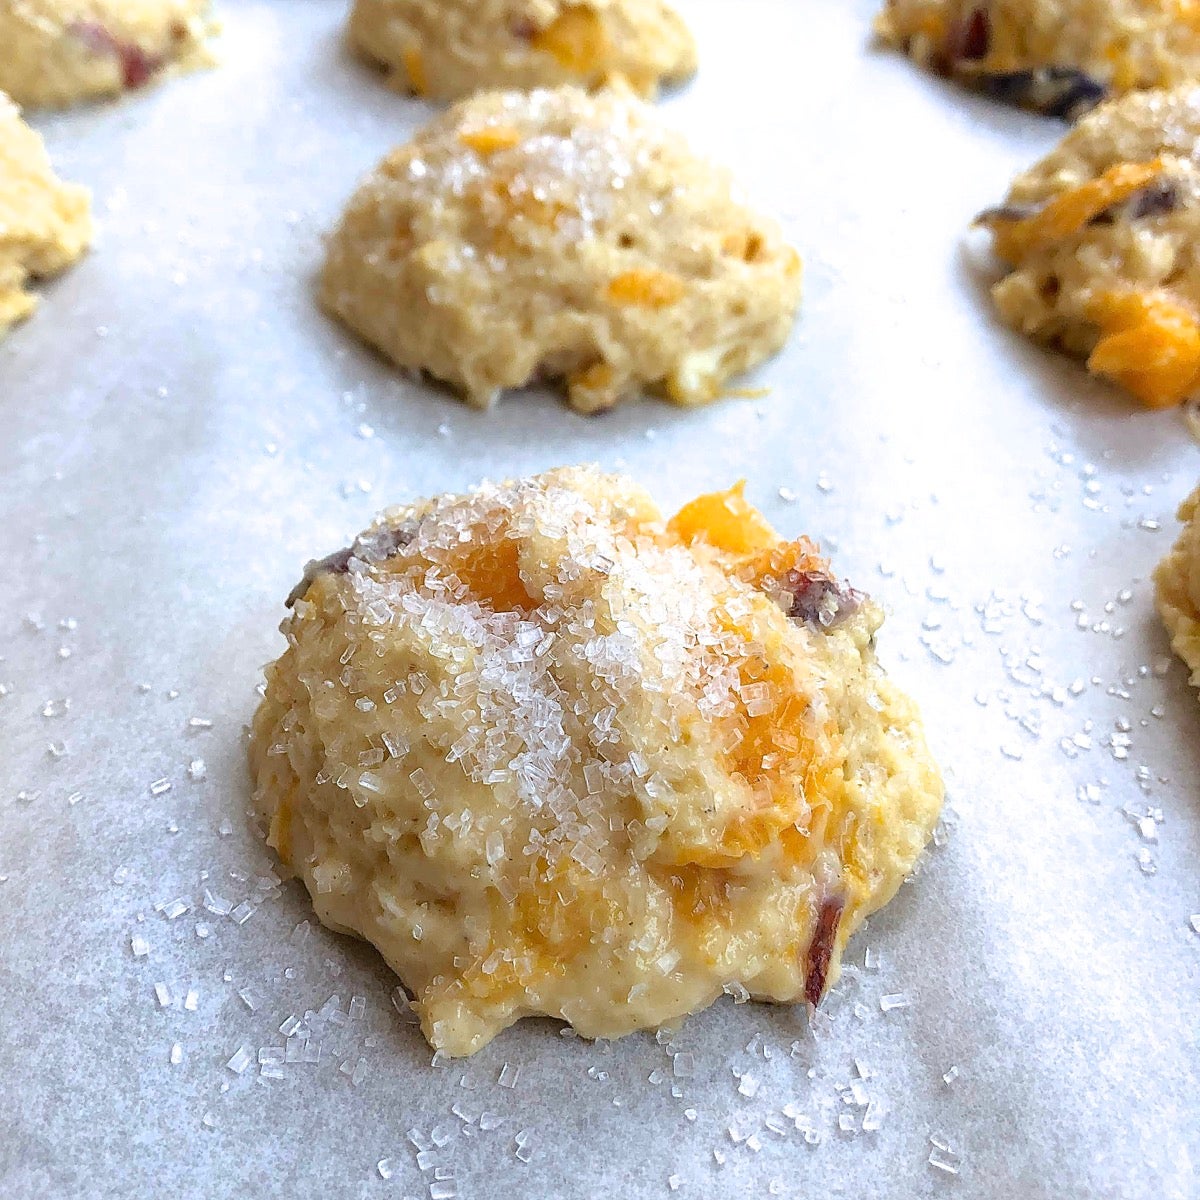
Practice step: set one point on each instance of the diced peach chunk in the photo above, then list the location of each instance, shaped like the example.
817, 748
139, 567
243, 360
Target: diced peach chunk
1150, 344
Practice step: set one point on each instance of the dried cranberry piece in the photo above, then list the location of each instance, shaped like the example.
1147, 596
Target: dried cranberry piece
137, 66
974, 38
820, 949
337, 563
818, 600
372, 547
1064, 92
1154, 200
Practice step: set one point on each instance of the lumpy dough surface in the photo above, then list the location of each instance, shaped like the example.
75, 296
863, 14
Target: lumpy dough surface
1178, 583
451, 48
1101, 239
58, 52
553, 755
45, 224
561, 235
1060, 57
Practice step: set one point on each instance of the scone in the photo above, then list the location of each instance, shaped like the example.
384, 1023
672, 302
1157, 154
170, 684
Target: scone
1059, 57
552, 754
58, 52
45, 224
1101, 241
450, 48
1178, 582
556, 234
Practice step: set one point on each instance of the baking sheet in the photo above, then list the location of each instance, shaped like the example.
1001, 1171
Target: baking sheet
182, 430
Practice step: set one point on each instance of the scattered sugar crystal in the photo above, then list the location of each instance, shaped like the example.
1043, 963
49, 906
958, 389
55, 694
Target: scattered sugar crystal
426, 1159
748, 1086
139, 946
191, 1000
754, 1142
162, 994
385, 1168
197, 770
242, 913
873, 1118
950, 1076
440, 1135
674, 1182
1195, 923
683, 1066
508, 1076
176, 1054
199, 723
489, 1121
893, 1000
174, 908
358, 1006
249, 999
203, 929
240, 1061
159, 786
447, 1190
360, 1072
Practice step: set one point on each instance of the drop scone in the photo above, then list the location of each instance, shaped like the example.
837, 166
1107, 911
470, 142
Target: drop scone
58, 52
1178, 582
45, 224
1101, 240
1059, 57
553, 755
450, 48
556, 234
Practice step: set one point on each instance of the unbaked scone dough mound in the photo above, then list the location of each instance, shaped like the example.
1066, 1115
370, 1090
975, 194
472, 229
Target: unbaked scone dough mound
1059, 57
58, 52
556, 234
450, 48
553, 755
1178, 580
1102, 242
45, 224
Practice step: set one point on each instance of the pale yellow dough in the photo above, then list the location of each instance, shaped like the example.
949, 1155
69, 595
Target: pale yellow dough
58, 52
1058, 56
451, 48
45, 224
553, 755
562, 235
1178, 580
1101, 240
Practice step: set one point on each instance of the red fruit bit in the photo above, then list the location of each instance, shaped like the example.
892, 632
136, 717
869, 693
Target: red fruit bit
820, 949
137, 66
972, 39
818, 600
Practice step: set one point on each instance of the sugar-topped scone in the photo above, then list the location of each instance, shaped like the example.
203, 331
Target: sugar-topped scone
45, 224
552, 754
450, 48
1060, 57
1101, 241
58, 52
1178, 582
556, 234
